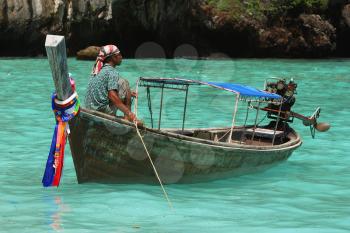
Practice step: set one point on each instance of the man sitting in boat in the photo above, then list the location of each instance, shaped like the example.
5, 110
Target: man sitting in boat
107, 91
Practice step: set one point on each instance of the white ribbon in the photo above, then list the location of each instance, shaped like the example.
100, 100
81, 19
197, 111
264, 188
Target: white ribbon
64, 102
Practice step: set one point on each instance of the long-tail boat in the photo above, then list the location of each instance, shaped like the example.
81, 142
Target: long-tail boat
108, 149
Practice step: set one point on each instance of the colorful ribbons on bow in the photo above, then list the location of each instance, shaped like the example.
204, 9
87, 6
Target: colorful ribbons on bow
64, 111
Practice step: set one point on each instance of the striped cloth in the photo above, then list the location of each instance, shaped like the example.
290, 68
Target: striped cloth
105, 52
63, 113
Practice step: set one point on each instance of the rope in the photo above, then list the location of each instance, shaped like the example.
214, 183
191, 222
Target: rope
262, 120
224, 134
154, 168
149, 105
149, 157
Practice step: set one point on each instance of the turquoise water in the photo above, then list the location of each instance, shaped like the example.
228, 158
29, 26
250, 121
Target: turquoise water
308, 193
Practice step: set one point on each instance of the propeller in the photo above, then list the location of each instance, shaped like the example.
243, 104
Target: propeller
312, 122
322, 127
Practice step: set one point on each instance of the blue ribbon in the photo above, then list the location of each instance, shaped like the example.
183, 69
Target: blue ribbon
50, 170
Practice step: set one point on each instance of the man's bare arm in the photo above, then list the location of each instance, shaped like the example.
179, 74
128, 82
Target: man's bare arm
114, 98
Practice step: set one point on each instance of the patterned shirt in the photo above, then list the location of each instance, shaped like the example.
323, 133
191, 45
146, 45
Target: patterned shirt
99, 85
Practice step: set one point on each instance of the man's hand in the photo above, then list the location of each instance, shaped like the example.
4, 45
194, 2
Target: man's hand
131, 116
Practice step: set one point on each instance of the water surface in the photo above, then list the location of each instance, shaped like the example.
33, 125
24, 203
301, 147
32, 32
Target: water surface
308, 193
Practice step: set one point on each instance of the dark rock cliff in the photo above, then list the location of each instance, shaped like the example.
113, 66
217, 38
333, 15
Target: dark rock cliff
211, 29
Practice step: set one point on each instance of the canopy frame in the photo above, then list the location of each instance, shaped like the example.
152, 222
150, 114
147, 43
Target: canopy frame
183, 85
174, 84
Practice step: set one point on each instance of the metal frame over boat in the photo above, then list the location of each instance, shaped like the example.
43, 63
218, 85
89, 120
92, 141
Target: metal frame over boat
107, 149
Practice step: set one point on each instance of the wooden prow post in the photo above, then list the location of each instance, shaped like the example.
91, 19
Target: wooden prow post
56, 54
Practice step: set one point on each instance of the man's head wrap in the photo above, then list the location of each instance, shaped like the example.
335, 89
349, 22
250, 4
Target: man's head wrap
105, 52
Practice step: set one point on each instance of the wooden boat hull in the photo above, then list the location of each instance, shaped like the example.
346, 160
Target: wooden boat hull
107, 150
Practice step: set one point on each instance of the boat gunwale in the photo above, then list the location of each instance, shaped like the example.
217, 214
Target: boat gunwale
292, 143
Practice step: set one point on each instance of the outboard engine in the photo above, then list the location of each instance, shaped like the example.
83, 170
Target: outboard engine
283, 113
287, 91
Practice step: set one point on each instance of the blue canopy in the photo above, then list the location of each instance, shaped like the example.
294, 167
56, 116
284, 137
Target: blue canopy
245, 91
242, 90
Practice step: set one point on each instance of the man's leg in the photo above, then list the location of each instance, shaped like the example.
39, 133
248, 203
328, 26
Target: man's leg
124, 93
128, 99
110, 110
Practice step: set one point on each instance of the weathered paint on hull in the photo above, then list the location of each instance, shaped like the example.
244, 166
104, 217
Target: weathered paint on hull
109, 151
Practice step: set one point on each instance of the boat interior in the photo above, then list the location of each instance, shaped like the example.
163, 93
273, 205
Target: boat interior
248, 135
259, 136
